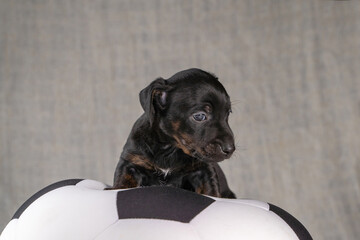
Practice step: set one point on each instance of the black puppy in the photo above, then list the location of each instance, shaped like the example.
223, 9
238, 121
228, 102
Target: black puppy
181, 136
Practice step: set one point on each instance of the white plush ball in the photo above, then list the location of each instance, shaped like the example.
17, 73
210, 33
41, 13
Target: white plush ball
83, 210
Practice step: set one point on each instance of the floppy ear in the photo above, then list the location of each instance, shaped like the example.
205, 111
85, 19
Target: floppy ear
154, 97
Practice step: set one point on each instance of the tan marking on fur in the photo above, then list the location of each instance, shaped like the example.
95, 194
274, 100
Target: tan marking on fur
200, 189
208, 109
129, 181
181, 145
186, 143
207, 189
191, 144
140, 161
175, 125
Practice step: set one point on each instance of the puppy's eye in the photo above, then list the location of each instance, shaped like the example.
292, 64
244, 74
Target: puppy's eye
200, 116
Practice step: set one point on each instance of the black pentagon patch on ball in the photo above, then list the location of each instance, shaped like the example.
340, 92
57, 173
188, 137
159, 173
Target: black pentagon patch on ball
43, 192
166, 203
299, 229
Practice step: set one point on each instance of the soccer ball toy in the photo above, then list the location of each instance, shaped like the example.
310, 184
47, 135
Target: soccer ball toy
83, 210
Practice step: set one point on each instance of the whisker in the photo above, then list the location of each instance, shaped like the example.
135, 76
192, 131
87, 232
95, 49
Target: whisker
236, 101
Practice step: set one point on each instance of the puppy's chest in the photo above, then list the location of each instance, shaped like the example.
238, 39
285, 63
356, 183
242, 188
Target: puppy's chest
162, 176
164, 172
164, 168
173, 176
171, 173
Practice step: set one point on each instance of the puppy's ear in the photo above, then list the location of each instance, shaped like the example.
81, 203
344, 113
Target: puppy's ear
154, 97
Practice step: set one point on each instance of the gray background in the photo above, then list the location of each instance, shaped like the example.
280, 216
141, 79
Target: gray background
70, 73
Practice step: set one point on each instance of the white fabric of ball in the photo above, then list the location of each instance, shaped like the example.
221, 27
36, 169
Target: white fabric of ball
86, 211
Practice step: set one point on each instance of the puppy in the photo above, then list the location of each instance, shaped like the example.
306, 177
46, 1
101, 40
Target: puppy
181, 136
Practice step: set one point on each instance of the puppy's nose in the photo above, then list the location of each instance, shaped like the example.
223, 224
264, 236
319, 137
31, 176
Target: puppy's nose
227, 148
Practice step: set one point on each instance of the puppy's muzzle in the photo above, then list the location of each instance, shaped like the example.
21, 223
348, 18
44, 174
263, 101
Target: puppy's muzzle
227, 149
220, 149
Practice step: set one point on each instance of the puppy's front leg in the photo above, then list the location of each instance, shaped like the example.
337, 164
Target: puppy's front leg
204, 181
127, 177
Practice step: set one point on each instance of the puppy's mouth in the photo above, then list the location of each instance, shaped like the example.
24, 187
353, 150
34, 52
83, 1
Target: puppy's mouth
214, 152
211, 152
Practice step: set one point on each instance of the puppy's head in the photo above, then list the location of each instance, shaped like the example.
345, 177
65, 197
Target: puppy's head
191, 108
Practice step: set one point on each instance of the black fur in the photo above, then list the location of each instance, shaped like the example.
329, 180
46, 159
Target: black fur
181, 136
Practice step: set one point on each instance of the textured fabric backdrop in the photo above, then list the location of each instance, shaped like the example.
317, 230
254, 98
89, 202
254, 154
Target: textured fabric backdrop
70, 73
